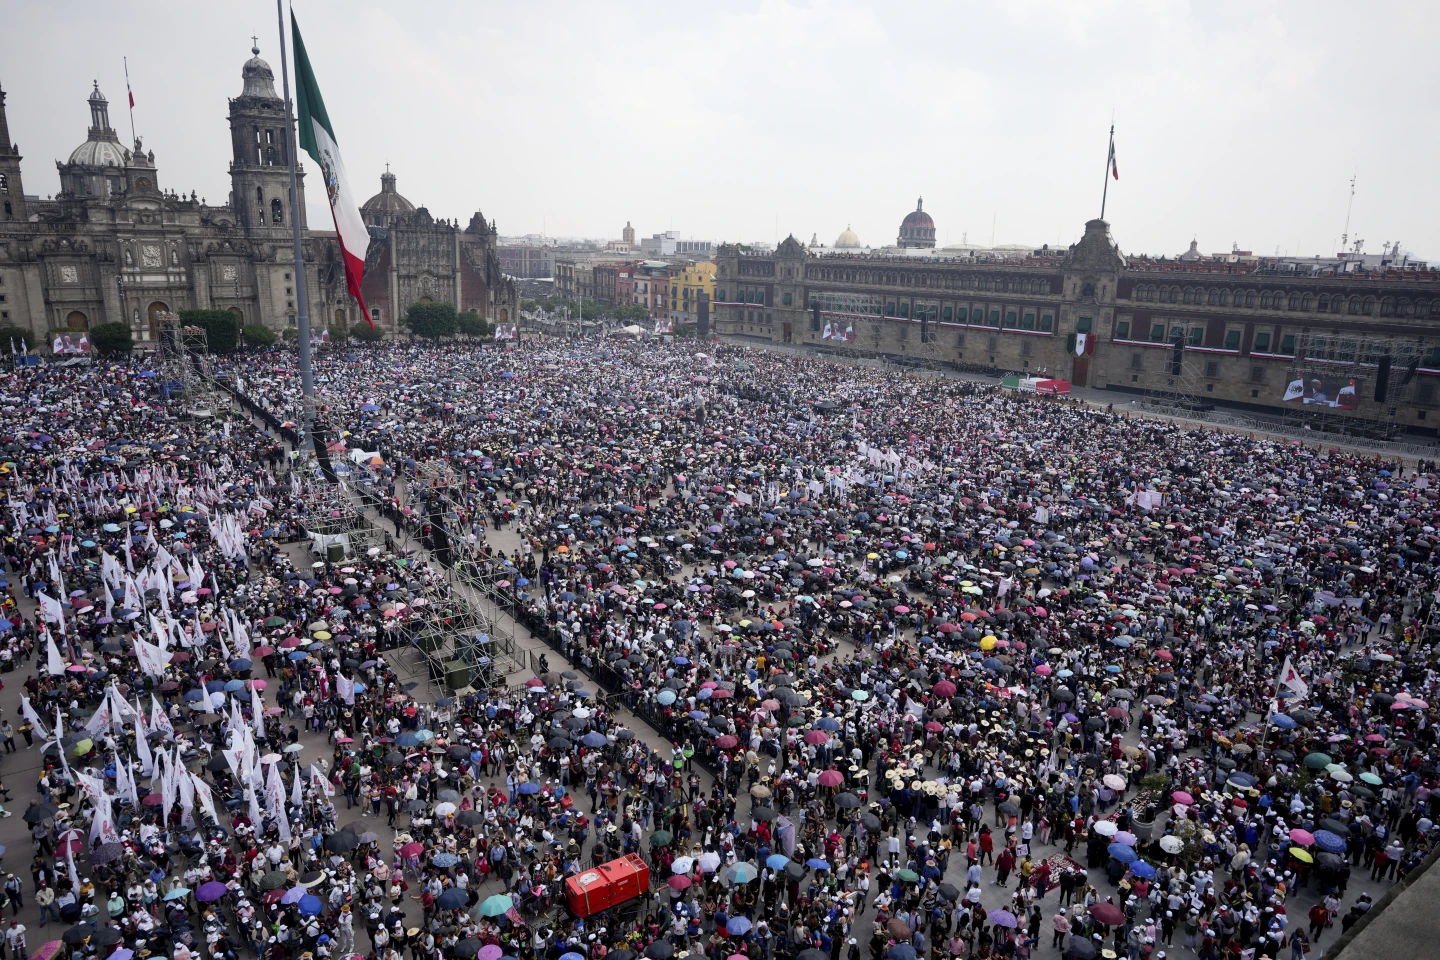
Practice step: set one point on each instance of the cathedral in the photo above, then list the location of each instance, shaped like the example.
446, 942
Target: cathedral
115, 245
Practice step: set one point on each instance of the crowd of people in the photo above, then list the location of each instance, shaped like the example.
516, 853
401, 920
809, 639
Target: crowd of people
857, 663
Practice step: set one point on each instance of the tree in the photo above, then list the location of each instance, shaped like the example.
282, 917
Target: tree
339, 334
111, 340
430, 320
630, 313
10, 336
471, 324
222, 330
366, 334
258, 335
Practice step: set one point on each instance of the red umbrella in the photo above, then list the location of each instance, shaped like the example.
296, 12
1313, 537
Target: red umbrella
1108, 914
944, 689
412, 849
726, 742
817, 737
831, 778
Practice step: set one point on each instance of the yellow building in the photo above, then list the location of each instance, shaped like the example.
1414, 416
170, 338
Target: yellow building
686, 284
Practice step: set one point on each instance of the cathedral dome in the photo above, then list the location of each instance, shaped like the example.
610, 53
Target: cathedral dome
917, 229
382, 209
847, 239
259, 78
102, 147
100, 153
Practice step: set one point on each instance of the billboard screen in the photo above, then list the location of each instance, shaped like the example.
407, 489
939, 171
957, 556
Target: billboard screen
1327, 392
837, 329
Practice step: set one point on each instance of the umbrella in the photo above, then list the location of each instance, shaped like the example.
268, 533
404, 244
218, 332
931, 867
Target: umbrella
660, 950
310, 905
1003, 918
452, 899
341, 842
213, 890
1108, 914
1121, 852
742, 872
41, 811
494, 906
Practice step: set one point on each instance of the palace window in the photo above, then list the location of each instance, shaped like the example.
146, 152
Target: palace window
1262, 343
1122, 330
1232, 339
1157, 332
1257, 373
1287, 344
1197, 336
1084, 324
1047, 322
1212, 369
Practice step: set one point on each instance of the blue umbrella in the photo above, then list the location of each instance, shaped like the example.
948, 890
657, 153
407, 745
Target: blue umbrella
902, 951
443, 860
827, 723
593, 739
1283, 722
777, 861
407, 740
232, 685
452, 899
571, 956
735, 927
1329, 842
705, 693
1122, 853
815, 863
528, 787
698, 715
1142, 869
240, 664
742, 872
681, 661
298, 654
310, 905
195, 696
666, 697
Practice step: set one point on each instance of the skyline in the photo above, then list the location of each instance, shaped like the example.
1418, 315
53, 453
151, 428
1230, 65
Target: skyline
1232, 126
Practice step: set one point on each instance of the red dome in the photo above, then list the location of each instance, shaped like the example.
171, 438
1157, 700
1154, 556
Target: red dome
917, 229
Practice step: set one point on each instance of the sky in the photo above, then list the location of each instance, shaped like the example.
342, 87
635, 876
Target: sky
1235, 123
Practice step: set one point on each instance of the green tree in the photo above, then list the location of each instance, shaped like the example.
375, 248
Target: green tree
365, 334
339, 334
111, 340
259, 335
430, 320
471, 324
222, 330
630, 313
10, 334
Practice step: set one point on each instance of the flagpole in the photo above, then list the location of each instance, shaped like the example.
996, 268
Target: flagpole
129, 97
302, 312
1105, 193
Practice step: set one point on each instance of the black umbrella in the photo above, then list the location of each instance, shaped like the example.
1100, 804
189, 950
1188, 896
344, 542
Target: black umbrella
217, 763
469, 818
949, 891
847, 801
394, 758
274, 880
106, 936
467, 948
762, 813
795, 871
41, 811
662, 950
869, 821
341, 842
79, 933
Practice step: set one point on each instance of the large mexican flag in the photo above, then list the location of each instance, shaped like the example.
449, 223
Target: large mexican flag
317, 137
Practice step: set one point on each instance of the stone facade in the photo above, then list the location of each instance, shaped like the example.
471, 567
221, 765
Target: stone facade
1241, 323
113, 245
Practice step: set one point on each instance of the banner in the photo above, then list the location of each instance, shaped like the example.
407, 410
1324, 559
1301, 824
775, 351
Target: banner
1328, 392
664, 326
843, 330
505, 331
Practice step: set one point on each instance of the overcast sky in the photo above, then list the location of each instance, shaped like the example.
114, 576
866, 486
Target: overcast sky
738, 120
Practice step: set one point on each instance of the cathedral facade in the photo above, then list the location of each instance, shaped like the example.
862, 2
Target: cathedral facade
115, 245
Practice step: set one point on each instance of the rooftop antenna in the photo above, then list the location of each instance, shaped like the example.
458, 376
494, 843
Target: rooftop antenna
1345, 237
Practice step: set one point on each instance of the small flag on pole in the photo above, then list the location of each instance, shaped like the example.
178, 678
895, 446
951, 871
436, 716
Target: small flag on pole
1114, 168
128, 92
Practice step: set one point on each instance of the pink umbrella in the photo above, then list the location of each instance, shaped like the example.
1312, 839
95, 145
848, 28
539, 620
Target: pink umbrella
1180, 796
902, 609
944, 689
1302, 837
831, 778
1044, 670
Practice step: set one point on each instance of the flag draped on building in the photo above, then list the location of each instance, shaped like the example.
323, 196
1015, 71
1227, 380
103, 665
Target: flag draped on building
317, 137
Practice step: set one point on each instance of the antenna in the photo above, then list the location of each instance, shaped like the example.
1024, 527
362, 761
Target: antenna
1345, 237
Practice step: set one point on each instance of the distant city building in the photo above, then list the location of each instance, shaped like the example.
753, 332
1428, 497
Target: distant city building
917, 229
628, 234
847, 240
527, 261
669, 244
687, 285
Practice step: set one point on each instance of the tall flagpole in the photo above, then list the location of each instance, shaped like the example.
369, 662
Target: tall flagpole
129, 97
1104, 194
302, 313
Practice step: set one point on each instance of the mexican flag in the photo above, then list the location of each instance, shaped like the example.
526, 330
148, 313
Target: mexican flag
317, 138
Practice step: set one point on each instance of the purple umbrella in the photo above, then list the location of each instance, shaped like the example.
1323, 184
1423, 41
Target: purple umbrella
1003, 918
292, 895
213, 890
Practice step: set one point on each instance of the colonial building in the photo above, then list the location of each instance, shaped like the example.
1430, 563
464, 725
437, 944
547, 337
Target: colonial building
414, 257
115, 245
1240, 325
916, 230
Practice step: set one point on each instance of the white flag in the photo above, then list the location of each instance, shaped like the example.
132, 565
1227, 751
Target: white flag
54, 663
1290, 679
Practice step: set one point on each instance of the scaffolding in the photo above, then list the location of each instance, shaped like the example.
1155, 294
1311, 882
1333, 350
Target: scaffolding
1180, 388
184, 360
472, 631
1378, 371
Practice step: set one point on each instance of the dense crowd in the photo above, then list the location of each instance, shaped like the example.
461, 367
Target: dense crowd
876, 664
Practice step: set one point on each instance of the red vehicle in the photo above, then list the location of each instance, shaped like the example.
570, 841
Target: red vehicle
602, 887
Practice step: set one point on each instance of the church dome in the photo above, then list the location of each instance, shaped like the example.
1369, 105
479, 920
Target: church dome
917, 229
847, 239
381, 209
100, 153
101, 147
259, 78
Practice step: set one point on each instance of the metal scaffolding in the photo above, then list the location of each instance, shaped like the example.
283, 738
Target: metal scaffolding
184, 359
1180, 389
1379, 369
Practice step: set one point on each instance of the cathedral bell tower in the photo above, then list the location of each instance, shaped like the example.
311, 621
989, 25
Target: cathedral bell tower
12, 192
260, 194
